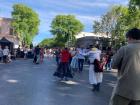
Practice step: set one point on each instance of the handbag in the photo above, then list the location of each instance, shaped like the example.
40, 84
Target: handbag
98, 66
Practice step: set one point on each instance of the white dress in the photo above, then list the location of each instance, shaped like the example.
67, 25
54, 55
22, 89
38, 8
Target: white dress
94, 77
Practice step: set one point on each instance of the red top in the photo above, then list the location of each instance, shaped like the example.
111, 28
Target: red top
65, 56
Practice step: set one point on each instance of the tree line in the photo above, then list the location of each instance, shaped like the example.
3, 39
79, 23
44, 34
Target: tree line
115, 23
118, 20
26, 22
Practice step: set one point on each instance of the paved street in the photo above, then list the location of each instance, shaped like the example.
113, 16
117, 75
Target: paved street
23, 83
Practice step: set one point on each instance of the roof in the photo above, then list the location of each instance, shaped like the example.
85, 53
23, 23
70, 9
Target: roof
10, 39
85, 34
4, 40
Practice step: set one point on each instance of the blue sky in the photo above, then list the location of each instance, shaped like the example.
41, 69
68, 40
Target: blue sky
85, 10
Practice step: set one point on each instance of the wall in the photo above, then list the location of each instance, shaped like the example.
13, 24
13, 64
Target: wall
5, 25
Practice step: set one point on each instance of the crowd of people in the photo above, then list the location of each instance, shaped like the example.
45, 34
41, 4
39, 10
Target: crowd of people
7, 55
68, 60
126, 60
72, 60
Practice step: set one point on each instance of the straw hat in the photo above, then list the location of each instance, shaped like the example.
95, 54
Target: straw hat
94, 49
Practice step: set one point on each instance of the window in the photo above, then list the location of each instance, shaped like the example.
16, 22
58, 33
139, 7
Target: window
11, 31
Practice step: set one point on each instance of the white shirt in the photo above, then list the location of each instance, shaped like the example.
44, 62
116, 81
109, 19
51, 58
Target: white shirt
6, 52
73, 53
93, 54
80, 53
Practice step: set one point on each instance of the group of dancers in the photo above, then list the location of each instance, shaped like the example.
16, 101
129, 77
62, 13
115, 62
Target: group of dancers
70, 61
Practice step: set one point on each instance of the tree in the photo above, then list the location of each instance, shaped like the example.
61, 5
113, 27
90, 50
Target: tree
47, 42
108, 21
114, 24
51, 42
134, 14
25, 23
119, 20
97, 27
65, 27
135, 4
121, 25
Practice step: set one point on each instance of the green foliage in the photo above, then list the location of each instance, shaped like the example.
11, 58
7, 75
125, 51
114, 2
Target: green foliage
109, 20
51, 43
118, 21
47, 42
134, 4
97, 27
134, 14
65, 27
120, 27
25, 23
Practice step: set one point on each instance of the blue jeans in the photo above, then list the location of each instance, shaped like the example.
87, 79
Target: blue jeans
108, 65
80, 64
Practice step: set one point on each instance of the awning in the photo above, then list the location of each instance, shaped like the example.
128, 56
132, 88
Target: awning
4, 40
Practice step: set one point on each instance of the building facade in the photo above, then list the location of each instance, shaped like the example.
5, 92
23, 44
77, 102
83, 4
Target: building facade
7, 32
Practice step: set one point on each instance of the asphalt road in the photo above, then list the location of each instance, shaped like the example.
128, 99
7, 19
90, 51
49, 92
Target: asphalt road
24, 83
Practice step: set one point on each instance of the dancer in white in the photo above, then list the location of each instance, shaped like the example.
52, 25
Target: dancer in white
95, 78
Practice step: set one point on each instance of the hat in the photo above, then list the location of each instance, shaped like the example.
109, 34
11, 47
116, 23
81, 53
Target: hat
94, 49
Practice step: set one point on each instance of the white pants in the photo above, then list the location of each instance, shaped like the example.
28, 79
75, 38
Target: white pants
94, 77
